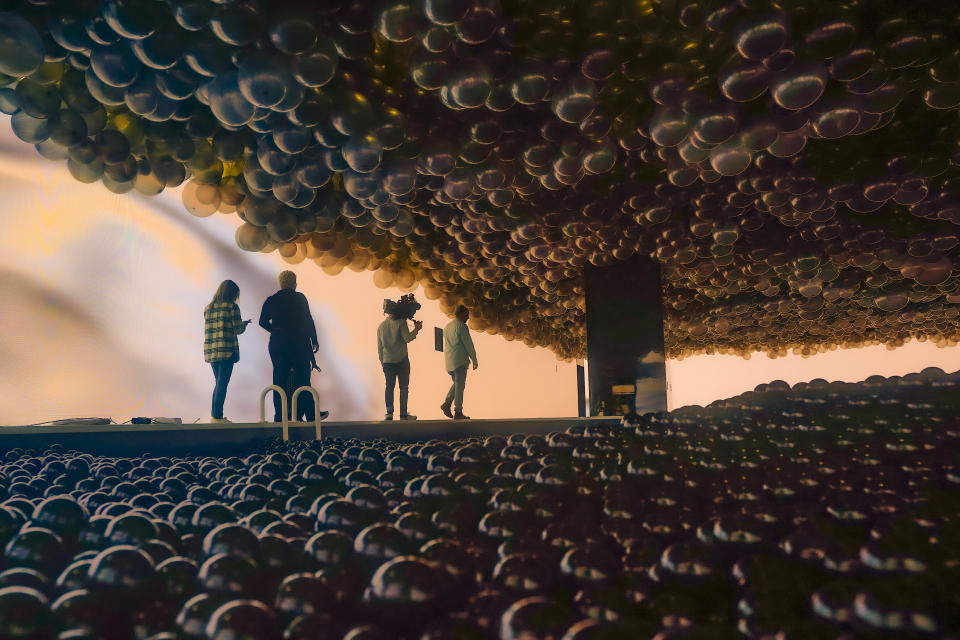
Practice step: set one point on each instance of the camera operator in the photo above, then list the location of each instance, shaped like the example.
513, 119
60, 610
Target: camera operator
393, 334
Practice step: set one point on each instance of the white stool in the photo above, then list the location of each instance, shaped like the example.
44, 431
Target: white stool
316, 406
284, 418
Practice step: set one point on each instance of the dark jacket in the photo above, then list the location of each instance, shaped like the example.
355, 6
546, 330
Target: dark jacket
286, 315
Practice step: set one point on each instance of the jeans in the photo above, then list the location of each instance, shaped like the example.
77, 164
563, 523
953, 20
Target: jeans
222, 370
394, 372
455, 395
291, 370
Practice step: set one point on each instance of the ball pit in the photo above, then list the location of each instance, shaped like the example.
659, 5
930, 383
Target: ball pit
826, 510
792, 166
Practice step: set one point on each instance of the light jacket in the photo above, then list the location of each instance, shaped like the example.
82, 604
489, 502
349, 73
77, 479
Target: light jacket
393, 334
458, 348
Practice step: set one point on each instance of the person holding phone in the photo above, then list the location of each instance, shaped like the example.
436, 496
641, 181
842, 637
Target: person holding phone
222, 325
393, 334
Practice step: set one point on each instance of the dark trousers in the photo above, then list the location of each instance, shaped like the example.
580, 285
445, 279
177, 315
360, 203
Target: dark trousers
291, 370
397, 372
222, 370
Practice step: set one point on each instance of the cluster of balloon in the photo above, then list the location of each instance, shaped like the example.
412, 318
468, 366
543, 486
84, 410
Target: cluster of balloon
793, 167
826, 510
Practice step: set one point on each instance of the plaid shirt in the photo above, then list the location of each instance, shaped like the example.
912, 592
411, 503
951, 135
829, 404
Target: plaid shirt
222, 323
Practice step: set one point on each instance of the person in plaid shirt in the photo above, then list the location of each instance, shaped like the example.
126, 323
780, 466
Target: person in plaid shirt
222, 324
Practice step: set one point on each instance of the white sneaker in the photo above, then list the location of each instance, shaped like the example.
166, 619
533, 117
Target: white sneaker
389, 416
220, 421
408, 416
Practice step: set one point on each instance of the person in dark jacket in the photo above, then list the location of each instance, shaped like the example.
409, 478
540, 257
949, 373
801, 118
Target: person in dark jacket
221, 325
293, 341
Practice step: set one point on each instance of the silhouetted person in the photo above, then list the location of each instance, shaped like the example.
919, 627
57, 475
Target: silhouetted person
221, 325
458, 351
293, 341
393, 334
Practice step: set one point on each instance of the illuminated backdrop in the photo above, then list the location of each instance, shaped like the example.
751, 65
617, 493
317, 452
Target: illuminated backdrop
101, 314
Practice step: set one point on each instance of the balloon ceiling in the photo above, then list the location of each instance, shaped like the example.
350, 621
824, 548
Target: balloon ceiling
794, 169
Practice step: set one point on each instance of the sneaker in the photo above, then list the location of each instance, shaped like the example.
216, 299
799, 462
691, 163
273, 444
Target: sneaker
219, 421
445, 407
407, 416
323, 415
459, 416
389, 416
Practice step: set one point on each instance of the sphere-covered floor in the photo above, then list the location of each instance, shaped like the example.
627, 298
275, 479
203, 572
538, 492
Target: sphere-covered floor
824, 511
242, 437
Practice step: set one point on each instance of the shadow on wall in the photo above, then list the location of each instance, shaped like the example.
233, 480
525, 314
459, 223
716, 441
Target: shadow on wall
341, 388
76, 349
56, 361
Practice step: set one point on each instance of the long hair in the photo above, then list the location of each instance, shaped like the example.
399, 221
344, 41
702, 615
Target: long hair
228, 291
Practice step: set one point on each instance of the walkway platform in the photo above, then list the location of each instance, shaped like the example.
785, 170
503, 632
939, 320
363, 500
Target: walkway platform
240, 438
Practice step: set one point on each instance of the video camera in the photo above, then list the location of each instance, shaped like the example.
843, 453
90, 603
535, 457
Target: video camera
404, 308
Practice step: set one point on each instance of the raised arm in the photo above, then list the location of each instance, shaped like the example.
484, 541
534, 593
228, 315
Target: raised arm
405, 332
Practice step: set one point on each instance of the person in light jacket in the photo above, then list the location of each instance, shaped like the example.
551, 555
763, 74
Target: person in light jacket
458, 352
393, 334
221, 326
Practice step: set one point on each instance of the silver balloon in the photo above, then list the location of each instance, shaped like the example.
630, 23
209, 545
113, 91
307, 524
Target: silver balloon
21, 46
30, 129
293, 34
227, 102
115, 65
362, 153
262, 80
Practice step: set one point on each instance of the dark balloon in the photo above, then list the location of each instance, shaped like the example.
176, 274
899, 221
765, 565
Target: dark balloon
244, 619
398, 21
800, 87
349, 132
445, 12
575, 101
25, 613
471, 85
531, 84
294, 34
744, 82
761, 37
22, 50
